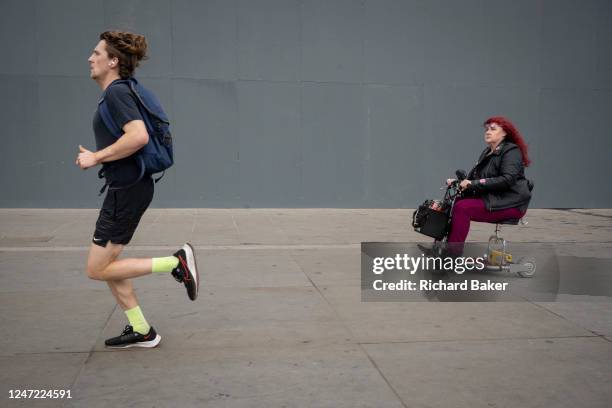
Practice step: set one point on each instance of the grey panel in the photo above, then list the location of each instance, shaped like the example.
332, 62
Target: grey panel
269, 40
269, 143
22, 161
18, 31
395, 130
603, 66
204, 39
434, 71
575, 168
568, 40
333, 145
205, 131
151, 19
67, 106
455, 41
332, 40
513, 34
68, 31
393, 45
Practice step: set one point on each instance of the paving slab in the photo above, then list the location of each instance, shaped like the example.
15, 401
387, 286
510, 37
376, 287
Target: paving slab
56, 269
280, 321
346, 226
250, 318
39, 227
168, 228
45, 371
257, 228
36, 227
255, 268
593, 315
329, 267
372, 322
218, 229
305, 376
29, 272
572, 372
52, 321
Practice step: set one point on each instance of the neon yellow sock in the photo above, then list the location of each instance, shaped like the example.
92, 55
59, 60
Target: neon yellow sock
164, 265
137, 320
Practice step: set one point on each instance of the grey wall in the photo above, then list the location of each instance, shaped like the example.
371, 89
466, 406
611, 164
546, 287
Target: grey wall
315, 103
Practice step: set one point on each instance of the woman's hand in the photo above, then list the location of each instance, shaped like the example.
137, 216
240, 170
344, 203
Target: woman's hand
464, 185
450, 181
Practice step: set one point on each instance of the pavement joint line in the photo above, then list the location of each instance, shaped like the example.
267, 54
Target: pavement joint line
577, 211
541, 306
91, 351
347, 328
235, 226
252, 246
383, 376
49, 352
242, 247
364, 343
193, 227
367, 343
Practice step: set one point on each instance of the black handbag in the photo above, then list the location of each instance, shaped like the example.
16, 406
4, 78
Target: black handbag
432, 219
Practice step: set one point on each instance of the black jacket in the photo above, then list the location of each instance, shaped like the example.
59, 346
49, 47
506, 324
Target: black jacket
499, 178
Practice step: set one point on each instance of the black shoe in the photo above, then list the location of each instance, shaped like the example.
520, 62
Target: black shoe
130, 338
187, 271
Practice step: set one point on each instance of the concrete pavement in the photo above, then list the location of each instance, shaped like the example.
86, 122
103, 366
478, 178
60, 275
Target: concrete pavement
280, 322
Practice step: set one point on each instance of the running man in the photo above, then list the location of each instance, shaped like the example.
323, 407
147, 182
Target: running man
116, 57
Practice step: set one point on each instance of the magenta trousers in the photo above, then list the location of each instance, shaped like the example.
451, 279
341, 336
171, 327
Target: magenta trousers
473, 209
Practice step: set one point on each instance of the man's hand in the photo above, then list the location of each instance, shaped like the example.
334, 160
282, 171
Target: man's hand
86, 159
465, 184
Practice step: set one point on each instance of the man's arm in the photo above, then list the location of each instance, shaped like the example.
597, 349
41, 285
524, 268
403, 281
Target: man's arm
135, 136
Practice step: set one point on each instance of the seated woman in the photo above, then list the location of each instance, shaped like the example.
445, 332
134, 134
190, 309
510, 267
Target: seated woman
496, 188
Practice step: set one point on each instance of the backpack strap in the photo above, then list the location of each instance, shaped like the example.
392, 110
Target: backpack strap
132, 84
160, 177
140, 176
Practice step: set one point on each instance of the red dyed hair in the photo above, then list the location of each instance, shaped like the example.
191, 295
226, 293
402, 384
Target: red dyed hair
512, 134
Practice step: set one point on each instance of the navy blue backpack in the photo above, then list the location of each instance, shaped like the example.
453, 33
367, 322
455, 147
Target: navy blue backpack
157, 155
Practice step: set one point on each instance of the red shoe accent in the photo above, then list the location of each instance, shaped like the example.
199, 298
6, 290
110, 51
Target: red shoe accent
186, 277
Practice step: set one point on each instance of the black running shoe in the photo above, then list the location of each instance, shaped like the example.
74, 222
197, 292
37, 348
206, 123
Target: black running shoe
187, 271
130, 338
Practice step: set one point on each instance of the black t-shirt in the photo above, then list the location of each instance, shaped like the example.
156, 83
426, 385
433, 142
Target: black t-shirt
123, 108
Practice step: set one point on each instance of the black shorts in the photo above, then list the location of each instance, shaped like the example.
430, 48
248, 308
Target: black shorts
121, 213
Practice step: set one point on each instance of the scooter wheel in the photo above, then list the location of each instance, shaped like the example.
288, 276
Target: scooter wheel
528, 267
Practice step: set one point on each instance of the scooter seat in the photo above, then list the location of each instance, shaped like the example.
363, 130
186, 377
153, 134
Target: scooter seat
509, 221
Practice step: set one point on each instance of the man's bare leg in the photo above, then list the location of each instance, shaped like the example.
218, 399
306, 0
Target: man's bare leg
102, 264
99, 259
102, 259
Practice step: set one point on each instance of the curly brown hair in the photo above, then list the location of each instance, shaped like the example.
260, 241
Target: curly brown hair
128, 48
